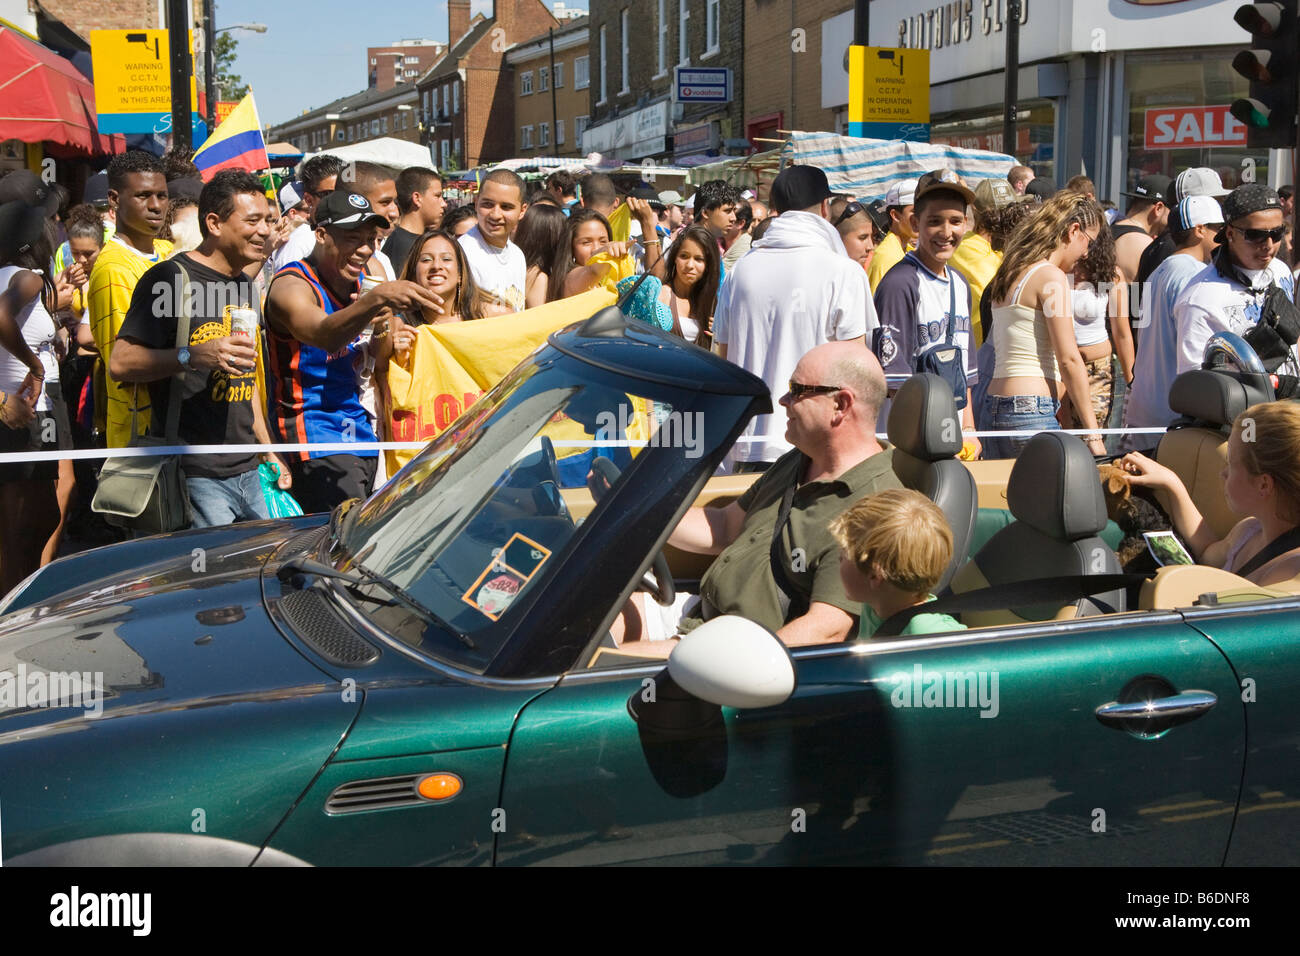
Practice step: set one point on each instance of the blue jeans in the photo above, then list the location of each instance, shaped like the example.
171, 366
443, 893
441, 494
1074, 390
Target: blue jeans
1017, 413
219, 501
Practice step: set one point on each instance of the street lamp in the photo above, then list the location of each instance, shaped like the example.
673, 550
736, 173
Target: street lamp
209, 61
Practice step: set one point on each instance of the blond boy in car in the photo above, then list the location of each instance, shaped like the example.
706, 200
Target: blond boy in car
894, 548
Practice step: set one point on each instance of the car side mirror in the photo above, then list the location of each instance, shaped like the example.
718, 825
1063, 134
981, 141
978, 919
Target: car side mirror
733, 662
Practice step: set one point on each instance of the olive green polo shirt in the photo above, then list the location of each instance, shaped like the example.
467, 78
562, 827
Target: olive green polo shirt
740, 581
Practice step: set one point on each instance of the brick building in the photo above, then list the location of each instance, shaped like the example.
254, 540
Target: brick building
369, 114
402, 62
83, 16
467, 98
783, 66
551, 107
634, 46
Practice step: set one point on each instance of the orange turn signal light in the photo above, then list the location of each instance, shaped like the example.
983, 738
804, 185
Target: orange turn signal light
439, 786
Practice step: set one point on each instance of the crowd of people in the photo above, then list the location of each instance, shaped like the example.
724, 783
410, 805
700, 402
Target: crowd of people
279, 317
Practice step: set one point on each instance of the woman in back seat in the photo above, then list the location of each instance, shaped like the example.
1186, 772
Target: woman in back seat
1261, 482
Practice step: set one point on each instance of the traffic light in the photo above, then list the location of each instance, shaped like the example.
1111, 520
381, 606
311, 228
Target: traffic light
1270, 65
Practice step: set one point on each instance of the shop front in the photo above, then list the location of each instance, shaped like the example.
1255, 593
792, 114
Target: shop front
640, 134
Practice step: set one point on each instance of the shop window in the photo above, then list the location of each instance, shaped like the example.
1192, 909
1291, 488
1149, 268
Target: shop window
1178, 117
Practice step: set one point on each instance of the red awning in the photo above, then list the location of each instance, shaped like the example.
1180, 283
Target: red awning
43, 98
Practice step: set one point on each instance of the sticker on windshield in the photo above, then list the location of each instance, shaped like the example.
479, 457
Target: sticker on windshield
513, 566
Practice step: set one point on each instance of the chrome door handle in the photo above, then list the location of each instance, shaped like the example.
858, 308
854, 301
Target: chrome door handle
1177, 709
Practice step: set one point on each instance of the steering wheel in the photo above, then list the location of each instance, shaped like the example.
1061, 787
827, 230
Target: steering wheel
661, 588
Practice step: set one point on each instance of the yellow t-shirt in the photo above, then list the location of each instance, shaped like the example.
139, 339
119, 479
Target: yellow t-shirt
978, 263
889, 253
112, 282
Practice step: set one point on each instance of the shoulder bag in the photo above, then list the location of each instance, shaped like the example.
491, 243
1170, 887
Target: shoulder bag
946, 360
147, 494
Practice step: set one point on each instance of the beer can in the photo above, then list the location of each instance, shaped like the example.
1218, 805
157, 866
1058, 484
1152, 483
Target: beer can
243, 322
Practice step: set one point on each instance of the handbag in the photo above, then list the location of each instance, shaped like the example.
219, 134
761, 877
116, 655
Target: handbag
947, 360
147, 494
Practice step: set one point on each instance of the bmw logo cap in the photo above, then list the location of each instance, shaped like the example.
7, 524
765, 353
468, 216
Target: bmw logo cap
344, 210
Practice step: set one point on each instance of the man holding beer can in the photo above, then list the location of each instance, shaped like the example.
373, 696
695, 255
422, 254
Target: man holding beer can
221, 403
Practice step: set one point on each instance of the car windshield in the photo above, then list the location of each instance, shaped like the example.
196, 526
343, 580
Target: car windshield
472, 525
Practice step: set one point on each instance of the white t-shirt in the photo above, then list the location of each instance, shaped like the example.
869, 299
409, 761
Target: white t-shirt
794, 290
299, 245
1156, 363
38, 329
1090, 308
501, 274
1211, 304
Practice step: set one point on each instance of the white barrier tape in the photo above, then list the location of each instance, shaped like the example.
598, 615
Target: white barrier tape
87, 454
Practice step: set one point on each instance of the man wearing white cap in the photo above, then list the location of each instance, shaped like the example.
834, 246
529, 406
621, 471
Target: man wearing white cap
901, 239
1196, 181
1194, 224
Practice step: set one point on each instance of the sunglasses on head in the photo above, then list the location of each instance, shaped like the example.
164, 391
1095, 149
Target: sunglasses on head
798, 390
1259, 235
851, 210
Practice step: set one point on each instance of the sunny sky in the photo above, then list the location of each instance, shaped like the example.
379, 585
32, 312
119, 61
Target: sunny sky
314, 52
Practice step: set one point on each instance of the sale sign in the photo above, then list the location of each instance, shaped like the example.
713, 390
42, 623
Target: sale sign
1186, 127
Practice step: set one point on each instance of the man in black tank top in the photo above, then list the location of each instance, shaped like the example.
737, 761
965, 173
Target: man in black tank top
1193, 181
1147, 217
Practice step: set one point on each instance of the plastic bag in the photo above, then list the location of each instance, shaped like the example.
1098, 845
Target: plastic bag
279, 503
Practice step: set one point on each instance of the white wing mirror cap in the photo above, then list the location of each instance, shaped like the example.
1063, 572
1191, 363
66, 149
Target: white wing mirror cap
733, 662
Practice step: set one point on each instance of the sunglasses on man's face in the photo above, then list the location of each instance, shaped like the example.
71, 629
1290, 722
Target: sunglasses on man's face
798, 390
1259, 235
851, 210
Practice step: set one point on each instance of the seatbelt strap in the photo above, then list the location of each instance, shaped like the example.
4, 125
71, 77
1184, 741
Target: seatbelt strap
794, 603
999, 597
1283, 543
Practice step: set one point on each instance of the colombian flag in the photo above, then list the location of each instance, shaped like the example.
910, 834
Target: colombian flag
236, 144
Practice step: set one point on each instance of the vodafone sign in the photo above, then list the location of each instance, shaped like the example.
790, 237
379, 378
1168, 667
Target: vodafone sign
1183, 127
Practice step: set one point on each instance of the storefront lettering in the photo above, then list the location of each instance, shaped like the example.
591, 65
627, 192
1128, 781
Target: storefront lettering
1193, 126
953, 23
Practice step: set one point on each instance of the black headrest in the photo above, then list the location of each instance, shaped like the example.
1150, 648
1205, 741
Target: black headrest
1054, 488
1218, 396
923, 419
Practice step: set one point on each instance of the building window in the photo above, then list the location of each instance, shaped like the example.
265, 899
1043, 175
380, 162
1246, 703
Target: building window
581, 73
559, 75
623, 57
661, 57
683, 47
543, 79
455, 97
383, 125
525, 137
372, 61
455, 153
374, 127
526, 83
580, 124
427, 107
543, 134
712, 15
559, 132
604, 65
442, 162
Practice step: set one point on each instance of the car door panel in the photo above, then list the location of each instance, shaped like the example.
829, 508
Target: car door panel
848, 770
1263, 644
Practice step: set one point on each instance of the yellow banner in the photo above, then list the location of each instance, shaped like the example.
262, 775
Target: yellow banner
451, 365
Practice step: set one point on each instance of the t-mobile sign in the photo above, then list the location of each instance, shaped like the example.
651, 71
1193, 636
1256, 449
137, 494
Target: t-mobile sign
1185, 127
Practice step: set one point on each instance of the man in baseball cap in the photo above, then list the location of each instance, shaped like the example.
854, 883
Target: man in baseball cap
1146, 218
1194, 226
800, 187
1234, 291
1194, 181
899, 199
315, 310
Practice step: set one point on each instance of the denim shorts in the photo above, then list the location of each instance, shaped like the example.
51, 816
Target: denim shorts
1035, 413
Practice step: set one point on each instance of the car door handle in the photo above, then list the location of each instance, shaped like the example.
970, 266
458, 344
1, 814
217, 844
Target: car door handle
1172, 710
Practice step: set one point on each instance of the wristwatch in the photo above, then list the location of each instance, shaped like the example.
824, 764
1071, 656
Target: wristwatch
183, 356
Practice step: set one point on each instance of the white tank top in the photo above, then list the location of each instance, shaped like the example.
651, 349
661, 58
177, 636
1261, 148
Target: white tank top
38, 328
1090, 309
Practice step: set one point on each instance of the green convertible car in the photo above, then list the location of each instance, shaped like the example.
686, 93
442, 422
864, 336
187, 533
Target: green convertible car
427, 677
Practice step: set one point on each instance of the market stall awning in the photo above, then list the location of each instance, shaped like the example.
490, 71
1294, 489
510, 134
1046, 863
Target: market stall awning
44, 99
283, 154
